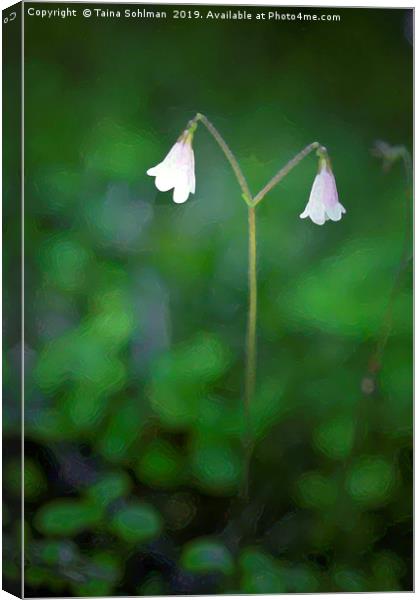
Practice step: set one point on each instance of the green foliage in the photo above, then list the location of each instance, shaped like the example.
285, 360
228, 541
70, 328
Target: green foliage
34, 478
300, 578
136, 522
12, 476
349, 580
370, 480
36, 576
109, 487
161, 465
387, 569
78, 356
181, 377
104, 572
261, 574
65, 263
335, 437
122, 430
207, 556
215, 466
54, 552
84, 406
358, 266
154, 585
314, 490
135, 312
67, 517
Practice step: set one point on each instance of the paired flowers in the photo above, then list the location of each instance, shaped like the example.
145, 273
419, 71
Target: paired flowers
176, 172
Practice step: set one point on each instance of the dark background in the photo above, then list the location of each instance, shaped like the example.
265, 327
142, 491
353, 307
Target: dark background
136, 308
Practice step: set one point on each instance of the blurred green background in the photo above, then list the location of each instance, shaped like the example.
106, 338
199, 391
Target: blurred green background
136, 309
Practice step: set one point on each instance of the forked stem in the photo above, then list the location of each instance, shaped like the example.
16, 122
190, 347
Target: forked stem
285, 170
251, 335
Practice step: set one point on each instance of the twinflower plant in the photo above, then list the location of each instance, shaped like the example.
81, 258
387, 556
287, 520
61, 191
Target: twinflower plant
176, 172
323, 201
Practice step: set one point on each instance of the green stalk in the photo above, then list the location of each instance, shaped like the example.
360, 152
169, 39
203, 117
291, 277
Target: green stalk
251, 345
251, 338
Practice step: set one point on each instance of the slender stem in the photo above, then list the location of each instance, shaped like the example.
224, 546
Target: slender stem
229, 155
251, 344
285, 170
375, 361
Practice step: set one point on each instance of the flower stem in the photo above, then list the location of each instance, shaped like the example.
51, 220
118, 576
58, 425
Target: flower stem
229, 155
285, 170
375, 361
251, 341
251, 345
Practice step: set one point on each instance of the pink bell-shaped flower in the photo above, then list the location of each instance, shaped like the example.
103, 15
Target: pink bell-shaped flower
323, 201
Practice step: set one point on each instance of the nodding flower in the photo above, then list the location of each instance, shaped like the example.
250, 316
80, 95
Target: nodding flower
323, 204
177, 169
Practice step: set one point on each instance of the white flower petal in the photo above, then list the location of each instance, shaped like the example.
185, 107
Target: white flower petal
191, 172
305, 212
334, 212
323, 203
192, 182
181, 193
176, 171
317, 213
165, 179
153, 171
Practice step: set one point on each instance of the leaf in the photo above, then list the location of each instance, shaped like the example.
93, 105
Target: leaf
216, 466
110, 487
207, 556
261, 574
54, 552
122, 431
314, 490
67, 517
347, 293
335, 437
370, 480
161, 465
137, 522
180, 377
